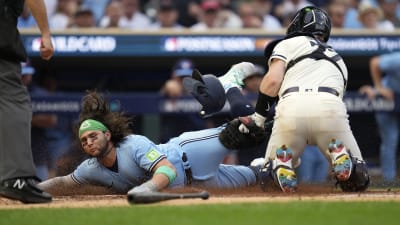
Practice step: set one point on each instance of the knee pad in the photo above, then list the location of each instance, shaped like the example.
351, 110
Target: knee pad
359, 179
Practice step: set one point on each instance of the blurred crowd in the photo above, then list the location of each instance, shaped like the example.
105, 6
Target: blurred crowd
199, 15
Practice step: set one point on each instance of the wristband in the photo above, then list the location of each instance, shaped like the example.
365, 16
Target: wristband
167, 171
264, 103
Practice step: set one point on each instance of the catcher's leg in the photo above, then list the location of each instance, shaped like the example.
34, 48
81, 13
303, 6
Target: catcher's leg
279, 171
341, 161
283, 171
350, 172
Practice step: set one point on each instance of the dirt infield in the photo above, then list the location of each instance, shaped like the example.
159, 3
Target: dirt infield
250, 195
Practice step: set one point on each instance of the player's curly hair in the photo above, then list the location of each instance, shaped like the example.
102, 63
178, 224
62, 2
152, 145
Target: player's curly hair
94, 106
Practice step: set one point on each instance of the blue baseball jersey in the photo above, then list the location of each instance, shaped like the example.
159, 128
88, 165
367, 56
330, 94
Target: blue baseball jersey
137, 156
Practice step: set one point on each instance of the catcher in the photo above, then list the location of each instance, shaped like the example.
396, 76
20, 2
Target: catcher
306, 80
128, 163
309, 77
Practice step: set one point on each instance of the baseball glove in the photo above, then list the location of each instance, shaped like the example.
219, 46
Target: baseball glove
232, 138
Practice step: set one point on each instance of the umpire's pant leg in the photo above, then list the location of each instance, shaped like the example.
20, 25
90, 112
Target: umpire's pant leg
15, 124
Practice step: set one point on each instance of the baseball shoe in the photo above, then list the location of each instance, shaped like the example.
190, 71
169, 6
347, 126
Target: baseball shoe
237, 73
283, 171
24, 190
341, 160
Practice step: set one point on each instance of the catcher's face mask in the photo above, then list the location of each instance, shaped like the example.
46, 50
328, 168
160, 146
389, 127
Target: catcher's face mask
208, 90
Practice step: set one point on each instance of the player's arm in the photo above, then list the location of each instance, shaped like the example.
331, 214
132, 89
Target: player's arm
272, 81
58, 184
164, 173
269, 88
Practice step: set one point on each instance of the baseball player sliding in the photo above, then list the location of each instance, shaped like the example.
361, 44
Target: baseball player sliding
309, 78
129, 163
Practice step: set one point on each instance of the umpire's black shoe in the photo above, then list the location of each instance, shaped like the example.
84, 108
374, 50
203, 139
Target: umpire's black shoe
24, 190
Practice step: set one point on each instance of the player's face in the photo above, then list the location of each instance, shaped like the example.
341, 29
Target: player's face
95, 143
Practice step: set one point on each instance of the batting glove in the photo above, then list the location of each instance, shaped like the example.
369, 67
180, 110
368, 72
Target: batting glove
148, 186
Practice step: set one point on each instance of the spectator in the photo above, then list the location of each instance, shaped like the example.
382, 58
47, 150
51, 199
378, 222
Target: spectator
188, 11
26, 20
351, 18
84, 18
227, 17
264, 9
133, 18
287, 8
64, 15
51, 6
208, 16
370, 17
249, 16
114, 12
337, 13
167, 16
389, 9
98, 8
385, 74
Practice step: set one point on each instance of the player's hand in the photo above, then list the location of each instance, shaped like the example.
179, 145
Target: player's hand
46, 48
148, 186
247, 121
369, 91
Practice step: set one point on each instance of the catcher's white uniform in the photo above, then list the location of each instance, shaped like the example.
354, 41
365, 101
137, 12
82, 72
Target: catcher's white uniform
310, 109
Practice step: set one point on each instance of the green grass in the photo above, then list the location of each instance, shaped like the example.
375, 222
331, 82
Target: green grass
291, 213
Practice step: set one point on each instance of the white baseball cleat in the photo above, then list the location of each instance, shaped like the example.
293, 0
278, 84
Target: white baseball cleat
341, 160
283, 170
236, 74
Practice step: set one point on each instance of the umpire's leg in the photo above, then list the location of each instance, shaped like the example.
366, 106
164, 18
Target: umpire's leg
15, 124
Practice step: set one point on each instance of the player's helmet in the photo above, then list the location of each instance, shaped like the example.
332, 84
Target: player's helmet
311, 20
208, 90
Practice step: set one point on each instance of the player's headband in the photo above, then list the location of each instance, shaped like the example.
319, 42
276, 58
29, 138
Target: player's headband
90, 124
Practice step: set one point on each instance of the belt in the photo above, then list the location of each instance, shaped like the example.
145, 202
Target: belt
320, 89
188, 169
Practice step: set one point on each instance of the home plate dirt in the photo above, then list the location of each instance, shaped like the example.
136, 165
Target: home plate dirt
246, 195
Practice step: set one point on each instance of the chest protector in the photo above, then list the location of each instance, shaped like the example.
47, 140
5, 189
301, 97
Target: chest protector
318, 54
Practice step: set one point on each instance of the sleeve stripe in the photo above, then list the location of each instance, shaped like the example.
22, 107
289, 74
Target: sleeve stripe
75, 179
157, 161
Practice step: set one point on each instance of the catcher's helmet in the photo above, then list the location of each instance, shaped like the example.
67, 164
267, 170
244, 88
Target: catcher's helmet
311, 20
208, 90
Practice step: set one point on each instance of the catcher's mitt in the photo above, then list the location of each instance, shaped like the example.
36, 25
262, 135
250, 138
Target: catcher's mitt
232, 138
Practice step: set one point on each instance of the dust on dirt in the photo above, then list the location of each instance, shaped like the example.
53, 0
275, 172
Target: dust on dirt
97, 197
